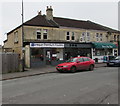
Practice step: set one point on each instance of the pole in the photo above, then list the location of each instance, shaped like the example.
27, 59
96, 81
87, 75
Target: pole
22, 37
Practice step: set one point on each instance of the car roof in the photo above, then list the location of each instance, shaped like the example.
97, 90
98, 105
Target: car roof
80, 57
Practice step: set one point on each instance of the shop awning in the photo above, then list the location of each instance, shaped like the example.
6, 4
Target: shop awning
103, 45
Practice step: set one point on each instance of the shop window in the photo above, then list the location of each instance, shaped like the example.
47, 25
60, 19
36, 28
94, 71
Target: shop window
45, 35
68, 36
73, 36
38, 34
37, 53
16, 37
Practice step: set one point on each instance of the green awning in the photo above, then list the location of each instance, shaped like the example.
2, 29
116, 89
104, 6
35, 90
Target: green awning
102, 45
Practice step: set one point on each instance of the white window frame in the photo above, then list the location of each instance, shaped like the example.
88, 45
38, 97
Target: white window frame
101, 37
45, 31
16, 37
97, 37
83, 36
88, 36
38, 31
67, 35
73, 35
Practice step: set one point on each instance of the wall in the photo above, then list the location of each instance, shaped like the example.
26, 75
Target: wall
59, 34
10, 44
10, 62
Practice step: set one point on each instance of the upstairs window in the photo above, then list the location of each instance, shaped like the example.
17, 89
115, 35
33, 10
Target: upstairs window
88, 36
68, 36
118, 37
115, 38
97, 36
45, 34
38, 34
16, 37
101, 37
83, 36
73, 36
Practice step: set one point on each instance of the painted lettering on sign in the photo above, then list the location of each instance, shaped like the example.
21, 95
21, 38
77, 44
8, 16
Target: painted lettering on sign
52, 45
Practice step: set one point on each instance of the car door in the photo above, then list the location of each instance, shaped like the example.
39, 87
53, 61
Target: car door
86, 63
80, 64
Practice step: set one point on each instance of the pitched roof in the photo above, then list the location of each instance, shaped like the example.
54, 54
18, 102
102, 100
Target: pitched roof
40, 20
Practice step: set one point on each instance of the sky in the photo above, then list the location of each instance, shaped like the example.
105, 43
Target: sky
104, 12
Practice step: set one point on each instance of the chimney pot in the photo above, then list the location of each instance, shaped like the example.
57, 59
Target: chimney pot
39, 13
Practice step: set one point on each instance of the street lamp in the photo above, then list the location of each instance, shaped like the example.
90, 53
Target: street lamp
22, 38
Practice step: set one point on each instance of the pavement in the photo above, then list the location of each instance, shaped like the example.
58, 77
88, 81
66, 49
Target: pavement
38, 71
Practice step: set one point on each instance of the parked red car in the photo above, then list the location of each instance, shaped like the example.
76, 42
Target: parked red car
77, 63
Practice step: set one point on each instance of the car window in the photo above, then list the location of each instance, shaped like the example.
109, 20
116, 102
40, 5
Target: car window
86, 59
80, 60
71, 60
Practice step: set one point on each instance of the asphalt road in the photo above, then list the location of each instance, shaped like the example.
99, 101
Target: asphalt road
89, 87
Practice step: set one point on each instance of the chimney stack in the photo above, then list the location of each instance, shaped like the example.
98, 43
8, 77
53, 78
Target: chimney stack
49, 13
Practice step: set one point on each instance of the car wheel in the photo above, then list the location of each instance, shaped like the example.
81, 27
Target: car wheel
91, 67
60, 71
108, 65
73, 69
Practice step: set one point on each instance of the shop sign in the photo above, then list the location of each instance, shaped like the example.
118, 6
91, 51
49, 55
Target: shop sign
50, 45
106, 46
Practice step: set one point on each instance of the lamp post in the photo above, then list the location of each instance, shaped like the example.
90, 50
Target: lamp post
22, 38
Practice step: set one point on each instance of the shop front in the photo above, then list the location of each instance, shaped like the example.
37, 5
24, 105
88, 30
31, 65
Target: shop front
103, 50
46, 54
42, 54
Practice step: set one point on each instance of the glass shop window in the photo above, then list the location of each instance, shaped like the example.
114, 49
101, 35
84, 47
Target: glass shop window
37, 54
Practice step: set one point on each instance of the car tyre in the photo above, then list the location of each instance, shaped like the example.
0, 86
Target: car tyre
91, 67
73, 69
59, 71
108, 65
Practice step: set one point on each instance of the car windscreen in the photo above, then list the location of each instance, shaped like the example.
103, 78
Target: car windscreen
71, 60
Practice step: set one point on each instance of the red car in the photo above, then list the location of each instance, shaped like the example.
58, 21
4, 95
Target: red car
77, 63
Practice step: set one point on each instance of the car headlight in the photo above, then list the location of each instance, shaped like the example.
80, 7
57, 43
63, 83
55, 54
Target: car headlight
65, 66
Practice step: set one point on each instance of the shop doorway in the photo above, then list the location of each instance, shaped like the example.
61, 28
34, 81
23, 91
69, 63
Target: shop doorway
48, 56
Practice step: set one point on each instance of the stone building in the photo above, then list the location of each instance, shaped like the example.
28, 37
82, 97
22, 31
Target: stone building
51, 40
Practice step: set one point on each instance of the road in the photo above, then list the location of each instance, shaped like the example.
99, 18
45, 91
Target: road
88, 87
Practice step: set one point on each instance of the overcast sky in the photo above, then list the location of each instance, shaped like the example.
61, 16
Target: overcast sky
104, 12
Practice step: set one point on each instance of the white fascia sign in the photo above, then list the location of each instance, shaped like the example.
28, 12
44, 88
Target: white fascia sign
49, 45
